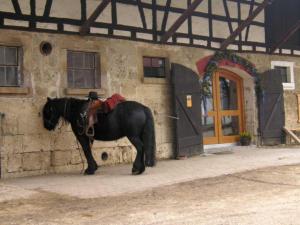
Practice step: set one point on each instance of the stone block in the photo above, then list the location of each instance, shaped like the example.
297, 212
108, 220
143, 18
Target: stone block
77, 157
12, 144
36, 143
127, 154
61, 158
164, 151
32, 161
14, 163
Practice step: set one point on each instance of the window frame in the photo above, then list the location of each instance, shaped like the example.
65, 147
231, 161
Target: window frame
97, 69
290, 85
165, 60
20, 78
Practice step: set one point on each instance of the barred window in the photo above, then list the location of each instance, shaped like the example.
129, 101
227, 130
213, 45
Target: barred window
83, 69
154, 67
10, 64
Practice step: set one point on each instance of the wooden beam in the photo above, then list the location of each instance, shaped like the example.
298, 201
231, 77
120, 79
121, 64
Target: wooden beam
180, 21
242, 26
17, 7
142, 14
166, 14
87, 24
47, 10
291, 133
227, 15
291, 31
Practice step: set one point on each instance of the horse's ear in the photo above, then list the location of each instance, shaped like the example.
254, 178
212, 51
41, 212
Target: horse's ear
48, 99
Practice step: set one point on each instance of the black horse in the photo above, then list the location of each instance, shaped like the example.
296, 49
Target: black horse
129, 119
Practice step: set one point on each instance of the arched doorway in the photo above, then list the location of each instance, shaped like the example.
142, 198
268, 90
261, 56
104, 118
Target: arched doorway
222, 110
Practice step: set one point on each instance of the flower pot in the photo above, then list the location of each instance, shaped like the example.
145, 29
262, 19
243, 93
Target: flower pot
245, 141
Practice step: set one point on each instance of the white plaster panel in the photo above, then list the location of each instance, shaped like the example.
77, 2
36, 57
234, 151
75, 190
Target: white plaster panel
104, 17
218, 7
66, 9
171, 20
49, 26
122, 33
233, 9
96, 30
19, 23
160, 16
220, 29
256, 34
245, 13
148, 17
25, 6
144, 36
200, 26
183, 40
129, 15
200, 42
6, 6
40, 7
161, 2
72, 28
203, 7
179, 4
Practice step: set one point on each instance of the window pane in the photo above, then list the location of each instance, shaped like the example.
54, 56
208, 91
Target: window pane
2, 76
284, 71
12, 76
208, 126
90, 79
2, 56
148, 72
79, 81
89, 61
78, 60
230, 125
11, 56
70, 78
147, 62
228, 94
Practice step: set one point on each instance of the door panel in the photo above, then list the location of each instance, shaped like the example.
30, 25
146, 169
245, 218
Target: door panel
227, 112
271, 108
187, 107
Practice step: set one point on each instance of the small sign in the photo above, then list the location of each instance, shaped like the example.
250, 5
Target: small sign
189, 102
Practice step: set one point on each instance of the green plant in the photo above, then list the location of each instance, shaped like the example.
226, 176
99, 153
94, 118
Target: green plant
245, 138
245, 134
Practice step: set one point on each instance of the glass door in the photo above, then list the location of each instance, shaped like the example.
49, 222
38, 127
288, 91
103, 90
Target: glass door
222, 111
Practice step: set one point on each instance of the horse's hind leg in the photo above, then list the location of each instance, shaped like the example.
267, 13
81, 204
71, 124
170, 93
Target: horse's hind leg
86, 146
138, 165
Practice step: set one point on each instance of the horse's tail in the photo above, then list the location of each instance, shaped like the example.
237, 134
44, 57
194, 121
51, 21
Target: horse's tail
149, 139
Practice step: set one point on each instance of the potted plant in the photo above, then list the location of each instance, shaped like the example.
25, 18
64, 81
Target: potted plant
245, 138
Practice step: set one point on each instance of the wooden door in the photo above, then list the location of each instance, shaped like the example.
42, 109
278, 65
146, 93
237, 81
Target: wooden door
187, 108
222, 113
271, 108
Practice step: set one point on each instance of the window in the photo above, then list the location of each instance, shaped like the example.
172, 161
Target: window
83, 69
10, 61
287, 72
154, 67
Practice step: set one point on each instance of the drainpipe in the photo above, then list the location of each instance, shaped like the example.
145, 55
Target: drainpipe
1, 139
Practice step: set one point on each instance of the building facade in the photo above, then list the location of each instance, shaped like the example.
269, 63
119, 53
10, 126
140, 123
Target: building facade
48, 49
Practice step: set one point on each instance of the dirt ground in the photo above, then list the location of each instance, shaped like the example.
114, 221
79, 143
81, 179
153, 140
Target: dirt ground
264, 196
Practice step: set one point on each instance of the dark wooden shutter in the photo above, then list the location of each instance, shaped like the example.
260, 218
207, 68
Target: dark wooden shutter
271, 108
186, 91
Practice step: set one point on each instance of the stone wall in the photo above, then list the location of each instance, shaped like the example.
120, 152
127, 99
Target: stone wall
28, 149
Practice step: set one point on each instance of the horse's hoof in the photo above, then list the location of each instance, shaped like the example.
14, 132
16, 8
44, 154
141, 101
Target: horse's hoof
137, 172
89, 172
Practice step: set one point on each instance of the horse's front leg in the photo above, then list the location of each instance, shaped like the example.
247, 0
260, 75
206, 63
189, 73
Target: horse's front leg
86, 145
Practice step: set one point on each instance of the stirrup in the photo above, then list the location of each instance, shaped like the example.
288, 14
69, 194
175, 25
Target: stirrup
90, 132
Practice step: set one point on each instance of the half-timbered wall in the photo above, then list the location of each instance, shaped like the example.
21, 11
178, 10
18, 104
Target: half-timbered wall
144, 20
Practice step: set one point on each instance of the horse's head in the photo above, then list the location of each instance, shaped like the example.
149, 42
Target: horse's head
50, 114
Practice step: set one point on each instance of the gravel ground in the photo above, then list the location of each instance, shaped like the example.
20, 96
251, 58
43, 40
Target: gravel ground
263, 196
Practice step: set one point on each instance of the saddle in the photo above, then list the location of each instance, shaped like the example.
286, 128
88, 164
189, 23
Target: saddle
96, 105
